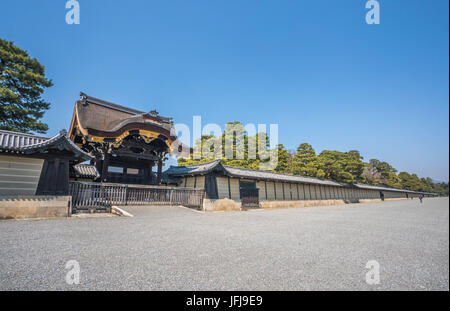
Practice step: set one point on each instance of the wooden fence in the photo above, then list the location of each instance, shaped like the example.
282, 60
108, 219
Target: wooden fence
100, 197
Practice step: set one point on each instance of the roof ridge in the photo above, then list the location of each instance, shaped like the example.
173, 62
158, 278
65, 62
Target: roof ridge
389, 188
254, 170
283, 174
199, 164
108, 104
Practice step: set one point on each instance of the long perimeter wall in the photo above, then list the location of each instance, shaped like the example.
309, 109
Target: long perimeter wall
276, 191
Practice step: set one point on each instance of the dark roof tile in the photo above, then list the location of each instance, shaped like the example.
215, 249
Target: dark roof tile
84, 171
14, 142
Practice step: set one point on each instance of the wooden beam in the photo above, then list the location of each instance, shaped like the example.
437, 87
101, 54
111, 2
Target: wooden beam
133, 155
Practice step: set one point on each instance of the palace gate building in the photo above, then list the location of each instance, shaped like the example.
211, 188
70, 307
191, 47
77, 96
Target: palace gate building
125, 143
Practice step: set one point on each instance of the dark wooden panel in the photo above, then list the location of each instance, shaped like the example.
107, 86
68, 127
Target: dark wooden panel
249, 198
211, 187
54, 179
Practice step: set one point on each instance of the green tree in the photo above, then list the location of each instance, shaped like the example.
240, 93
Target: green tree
22, 82
284, 160
427, 184
441, 189
341, 166
393, 181
410, 181
232, 147
354, 165
305, 161
355, 154
377, 172
205, 148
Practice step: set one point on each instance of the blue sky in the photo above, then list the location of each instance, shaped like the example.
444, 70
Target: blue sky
314, 67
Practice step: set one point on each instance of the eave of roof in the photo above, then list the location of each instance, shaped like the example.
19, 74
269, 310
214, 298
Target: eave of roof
15, 141
371, 187
265, 175
60, 142
216, 165
191, 170
166, 179
84, 171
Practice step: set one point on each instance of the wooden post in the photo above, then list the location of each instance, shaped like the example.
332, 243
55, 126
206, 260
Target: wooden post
159, 174
265, 188
54, 176
105, 167
148, 174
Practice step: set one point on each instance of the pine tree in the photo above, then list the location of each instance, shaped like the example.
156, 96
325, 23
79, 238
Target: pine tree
341, 166
284, 160
22, 82
305, 161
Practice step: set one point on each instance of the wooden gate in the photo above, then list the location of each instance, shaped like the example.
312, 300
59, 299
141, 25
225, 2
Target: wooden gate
250, 198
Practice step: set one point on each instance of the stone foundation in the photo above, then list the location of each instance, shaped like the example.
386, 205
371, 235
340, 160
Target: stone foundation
232, 205
27, 207
297, 204
221, 205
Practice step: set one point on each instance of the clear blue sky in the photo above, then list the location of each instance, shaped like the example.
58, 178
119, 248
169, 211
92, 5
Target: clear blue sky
314, 67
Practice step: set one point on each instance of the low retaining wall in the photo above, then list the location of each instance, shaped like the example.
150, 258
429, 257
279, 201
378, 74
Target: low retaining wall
295, 204
26, 207
232, 205
221, 205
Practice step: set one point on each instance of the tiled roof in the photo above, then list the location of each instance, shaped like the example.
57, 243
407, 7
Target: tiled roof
370, 187
167, 179
204, 168
196, 169
265, 175
84, 171
21, 143
99, 115
107, 104
16, 141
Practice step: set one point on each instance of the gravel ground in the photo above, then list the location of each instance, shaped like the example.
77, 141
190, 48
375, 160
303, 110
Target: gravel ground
174, 248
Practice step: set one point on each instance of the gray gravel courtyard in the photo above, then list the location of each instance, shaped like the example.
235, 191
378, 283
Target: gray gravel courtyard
174, 248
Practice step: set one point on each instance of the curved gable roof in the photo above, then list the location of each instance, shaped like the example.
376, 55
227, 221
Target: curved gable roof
96, 117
